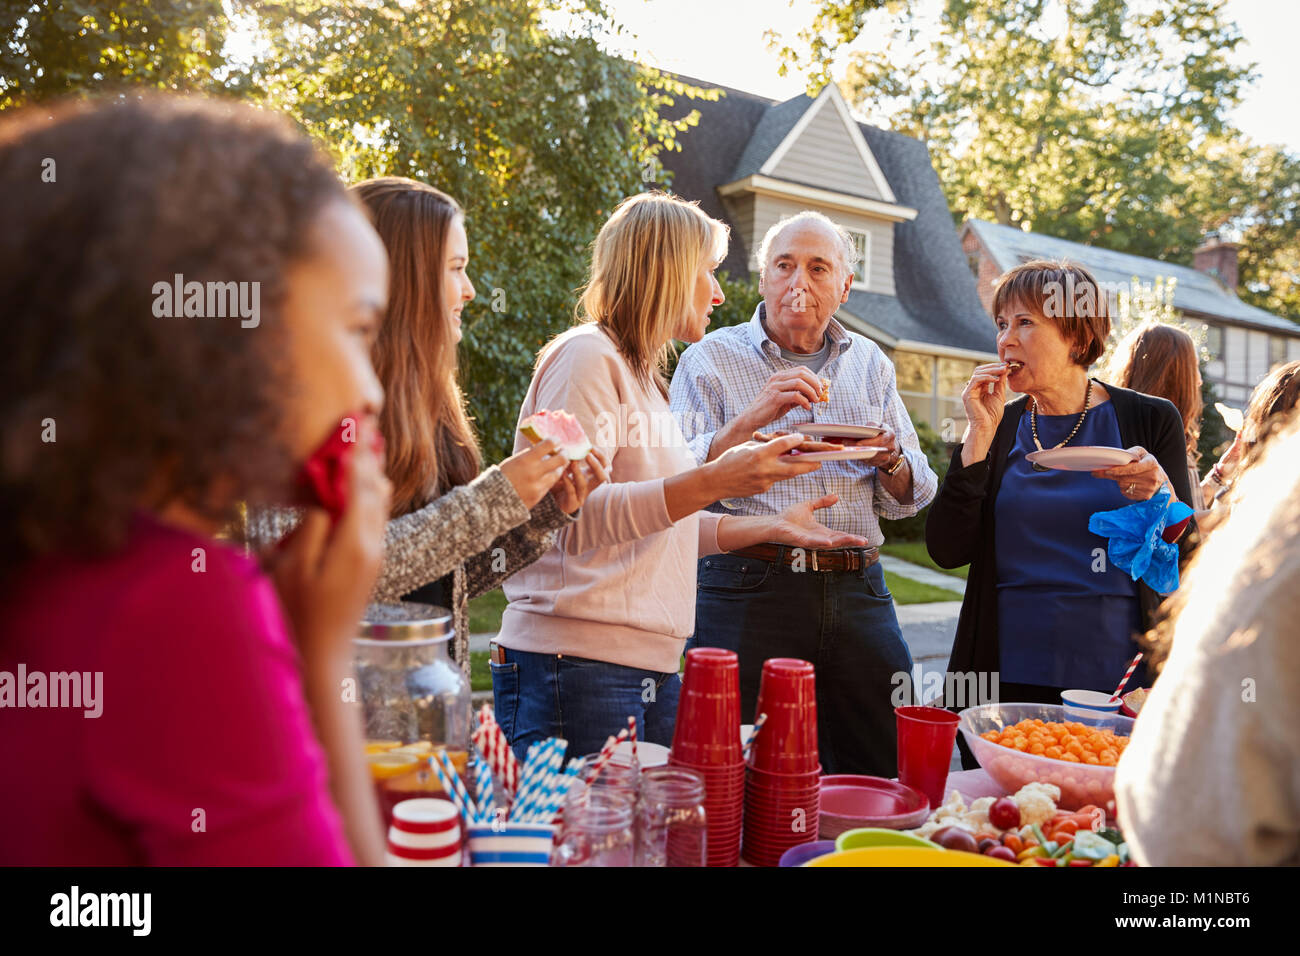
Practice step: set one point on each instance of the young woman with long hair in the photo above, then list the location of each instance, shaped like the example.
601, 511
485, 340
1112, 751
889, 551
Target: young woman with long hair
1161, 360
454, 533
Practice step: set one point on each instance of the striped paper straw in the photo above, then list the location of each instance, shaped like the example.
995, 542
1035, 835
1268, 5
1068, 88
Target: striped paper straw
483, 777
1127, 674
753, 735
552, 810
455, 792
457, 783
541, 794
552, 760
631, 727
605, 756
534, 765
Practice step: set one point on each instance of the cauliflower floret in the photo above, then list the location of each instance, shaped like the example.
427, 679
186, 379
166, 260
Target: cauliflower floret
978, 814
1037, 802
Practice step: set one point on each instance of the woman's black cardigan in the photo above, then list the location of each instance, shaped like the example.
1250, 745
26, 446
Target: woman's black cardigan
960, 526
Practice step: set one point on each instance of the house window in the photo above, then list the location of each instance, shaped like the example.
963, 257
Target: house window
1276, 350
1214, 341
862, 268
931, 388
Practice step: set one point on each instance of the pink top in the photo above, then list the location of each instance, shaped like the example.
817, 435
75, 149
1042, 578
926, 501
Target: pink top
193, 746
619, 585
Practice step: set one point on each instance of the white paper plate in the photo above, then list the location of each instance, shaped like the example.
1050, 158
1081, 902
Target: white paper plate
647, 754
1081, 458
847, 454
829, 430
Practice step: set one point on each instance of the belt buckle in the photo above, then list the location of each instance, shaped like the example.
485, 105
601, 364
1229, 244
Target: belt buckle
814, 560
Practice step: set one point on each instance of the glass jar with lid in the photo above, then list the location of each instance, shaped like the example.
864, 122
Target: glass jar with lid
415, 698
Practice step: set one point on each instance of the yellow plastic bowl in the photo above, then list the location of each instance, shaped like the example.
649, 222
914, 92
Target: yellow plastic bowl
905, 856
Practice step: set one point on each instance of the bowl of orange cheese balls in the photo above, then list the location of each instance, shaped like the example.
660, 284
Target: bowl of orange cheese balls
1018, 744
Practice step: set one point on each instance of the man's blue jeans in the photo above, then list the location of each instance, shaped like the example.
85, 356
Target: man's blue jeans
842, 622
584, 701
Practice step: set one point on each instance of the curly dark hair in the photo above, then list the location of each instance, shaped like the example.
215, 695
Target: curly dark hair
145, 410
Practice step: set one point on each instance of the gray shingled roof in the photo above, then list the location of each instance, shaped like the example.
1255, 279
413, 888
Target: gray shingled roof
1195, 292
936, 300
771, 130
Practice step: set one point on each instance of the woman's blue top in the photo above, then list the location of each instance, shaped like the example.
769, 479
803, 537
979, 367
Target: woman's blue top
1066, 617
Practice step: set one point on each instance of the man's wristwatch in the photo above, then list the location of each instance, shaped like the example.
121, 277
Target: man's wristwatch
892, 470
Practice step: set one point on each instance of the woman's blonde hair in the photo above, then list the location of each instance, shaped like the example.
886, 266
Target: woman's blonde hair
643, 269
430, 445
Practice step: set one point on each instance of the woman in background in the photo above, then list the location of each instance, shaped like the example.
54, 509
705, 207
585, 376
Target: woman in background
1270, 405
454, 532
1161, 360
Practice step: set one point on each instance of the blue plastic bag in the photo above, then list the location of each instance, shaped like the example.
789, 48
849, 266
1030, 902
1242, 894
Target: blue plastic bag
1134, 538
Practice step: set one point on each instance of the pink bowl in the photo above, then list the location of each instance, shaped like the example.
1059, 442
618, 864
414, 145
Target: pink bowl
1080, 783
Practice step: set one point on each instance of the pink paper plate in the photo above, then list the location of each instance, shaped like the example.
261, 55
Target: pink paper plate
874, 801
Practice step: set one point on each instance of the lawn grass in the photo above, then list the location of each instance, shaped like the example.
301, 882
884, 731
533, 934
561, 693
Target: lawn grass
907, 591
480, 673
915, 552
485, 612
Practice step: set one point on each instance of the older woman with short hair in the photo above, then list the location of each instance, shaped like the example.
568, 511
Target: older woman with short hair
1044, 607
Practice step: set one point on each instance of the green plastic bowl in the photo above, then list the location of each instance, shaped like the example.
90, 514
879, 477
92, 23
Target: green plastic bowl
864, 837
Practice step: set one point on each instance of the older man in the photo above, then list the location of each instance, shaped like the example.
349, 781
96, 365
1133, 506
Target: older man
828, 607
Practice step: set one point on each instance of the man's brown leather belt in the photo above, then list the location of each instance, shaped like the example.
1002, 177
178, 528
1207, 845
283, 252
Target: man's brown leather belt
837, 559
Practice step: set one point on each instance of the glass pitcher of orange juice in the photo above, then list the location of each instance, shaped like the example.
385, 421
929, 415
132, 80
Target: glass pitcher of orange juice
414, 696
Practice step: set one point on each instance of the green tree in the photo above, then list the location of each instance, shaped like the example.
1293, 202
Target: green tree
54, 49
1101, 121
534, 129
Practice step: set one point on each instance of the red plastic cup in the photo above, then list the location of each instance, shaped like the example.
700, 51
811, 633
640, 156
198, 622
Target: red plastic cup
925, 739
787, 693
707, 732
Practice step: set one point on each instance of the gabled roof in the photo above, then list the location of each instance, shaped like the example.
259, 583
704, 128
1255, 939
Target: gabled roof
936, 301
1195, 292
783, 124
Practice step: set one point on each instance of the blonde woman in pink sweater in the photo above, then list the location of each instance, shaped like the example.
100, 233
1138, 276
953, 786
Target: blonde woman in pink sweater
595, 628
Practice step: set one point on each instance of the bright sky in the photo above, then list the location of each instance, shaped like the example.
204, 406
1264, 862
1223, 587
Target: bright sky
722, 41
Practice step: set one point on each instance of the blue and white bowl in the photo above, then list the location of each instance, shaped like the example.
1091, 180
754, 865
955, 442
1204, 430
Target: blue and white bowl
511, 844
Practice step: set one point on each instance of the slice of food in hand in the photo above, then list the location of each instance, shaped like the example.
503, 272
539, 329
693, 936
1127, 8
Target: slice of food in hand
805, 446
1232, 417
1134, 699
825, 395
561, 428
323, 479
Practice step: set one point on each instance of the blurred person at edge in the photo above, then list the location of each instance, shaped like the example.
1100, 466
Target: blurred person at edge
1044, 606
832, 608
454, 533
1211, 776
595, 629
1270, 404
1161, 360
218, 696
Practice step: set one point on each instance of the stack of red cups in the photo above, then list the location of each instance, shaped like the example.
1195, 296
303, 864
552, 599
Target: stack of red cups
707, 740
782, 781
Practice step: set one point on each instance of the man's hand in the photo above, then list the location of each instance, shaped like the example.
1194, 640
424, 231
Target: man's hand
784, 390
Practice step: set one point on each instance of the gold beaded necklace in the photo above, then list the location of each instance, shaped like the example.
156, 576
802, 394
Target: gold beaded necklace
1033, 425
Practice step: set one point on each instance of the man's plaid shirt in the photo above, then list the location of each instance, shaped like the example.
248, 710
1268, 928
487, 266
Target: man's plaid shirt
719, 376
